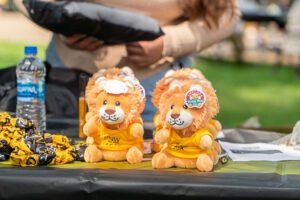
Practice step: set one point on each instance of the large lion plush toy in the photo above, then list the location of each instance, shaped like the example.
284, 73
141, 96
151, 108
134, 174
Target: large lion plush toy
114, 126
184, 124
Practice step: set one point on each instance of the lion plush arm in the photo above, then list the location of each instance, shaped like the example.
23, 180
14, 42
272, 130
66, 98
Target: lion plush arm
162, 136
88, 116
205, 142
157, 120
137, 130
90, 129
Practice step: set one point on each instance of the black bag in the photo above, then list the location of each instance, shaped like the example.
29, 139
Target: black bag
62, 91
110, 25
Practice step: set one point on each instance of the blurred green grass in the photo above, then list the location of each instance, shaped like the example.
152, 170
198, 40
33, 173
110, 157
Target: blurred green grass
247, 90
244, 90
12, 52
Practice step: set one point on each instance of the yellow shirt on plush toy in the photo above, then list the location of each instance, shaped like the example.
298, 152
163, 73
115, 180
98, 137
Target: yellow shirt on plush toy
117, 140
186, 147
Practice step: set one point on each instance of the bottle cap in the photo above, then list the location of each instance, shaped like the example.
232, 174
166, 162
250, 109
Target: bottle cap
30, 50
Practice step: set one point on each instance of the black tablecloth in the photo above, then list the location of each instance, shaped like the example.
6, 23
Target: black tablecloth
102, 183
48, 183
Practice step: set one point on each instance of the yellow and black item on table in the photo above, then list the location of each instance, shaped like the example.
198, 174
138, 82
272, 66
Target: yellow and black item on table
20, 141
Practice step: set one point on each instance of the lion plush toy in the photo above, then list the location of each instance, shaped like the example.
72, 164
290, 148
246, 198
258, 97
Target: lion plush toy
114, 126
184, 124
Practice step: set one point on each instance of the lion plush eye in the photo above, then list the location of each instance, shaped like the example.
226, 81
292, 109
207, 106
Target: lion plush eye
185, 106
172, 106
118, 103
104, 102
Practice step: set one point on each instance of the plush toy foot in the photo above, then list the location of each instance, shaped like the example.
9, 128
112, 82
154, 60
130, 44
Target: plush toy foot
92, 154
204, 163
205, 142
134, 155
162, 160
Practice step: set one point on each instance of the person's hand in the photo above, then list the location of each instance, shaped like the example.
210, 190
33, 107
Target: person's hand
81, 42
145, 53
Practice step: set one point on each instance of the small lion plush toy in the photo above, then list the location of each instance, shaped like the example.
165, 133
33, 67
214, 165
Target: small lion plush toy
114, 126
184, 124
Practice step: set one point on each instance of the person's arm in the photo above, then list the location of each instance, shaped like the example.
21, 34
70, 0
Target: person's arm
182, 39
193, 36
21, 7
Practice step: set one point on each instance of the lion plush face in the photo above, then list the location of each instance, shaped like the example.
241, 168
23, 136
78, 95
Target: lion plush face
112, 110
178, 116
189, 106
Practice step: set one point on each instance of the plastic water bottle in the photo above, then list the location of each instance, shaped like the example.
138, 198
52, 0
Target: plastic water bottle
31, 88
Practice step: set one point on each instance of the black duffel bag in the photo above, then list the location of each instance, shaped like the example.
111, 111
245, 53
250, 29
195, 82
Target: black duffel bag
110, 25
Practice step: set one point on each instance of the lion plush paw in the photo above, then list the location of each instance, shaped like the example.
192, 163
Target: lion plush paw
137, 130
161, 161
215, 157
217, 147
134, 155
218, 125
162, 136
213, 130
204, 163
92, 154
89, 140
205, 142
90, 128
88, 116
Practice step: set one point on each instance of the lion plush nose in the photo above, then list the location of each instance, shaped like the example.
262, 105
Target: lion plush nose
175, 116
110, 111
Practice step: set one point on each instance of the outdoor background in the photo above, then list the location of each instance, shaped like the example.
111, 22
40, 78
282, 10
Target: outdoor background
256, 72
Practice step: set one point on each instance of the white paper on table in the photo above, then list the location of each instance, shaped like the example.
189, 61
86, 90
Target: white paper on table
220, 135
259, 152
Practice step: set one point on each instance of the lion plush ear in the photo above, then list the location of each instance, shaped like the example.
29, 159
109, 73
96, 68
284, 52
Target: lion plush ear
127, 70
169, 73
99, 80
99, 73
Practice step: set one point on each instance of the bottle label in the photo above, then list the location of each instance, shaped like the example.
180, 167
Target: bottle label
27, 92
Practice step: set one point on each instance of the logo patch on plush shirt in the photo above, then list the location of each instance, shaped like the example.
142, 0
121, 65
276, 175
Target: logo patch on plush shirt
195, 98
